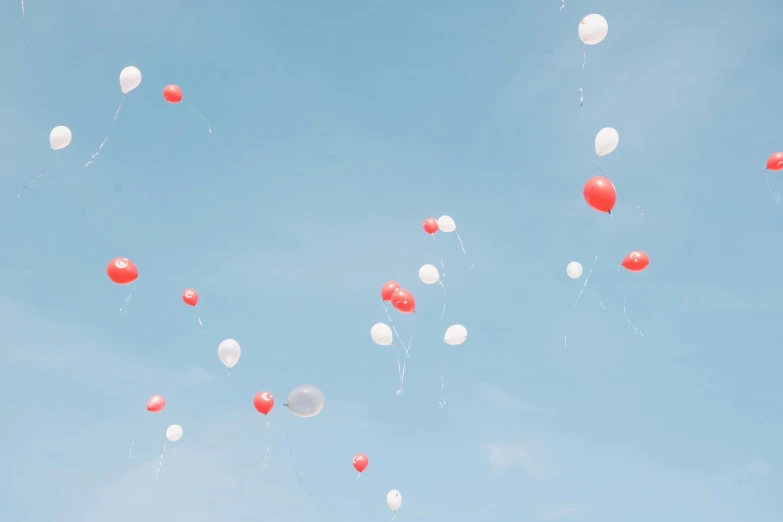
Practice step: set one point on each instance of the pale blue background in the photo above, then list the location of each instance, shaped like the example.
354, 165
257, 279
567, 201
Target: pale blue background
338, 127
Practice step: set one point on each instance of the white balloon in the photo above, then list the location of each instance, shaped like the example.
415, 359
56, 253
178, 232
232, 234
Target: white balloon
455, 335
174, 433
606, 141
229, 352
429, 274
382, 334
394, 500
60, 137
305, 401
446, 224
593, 29
574, 270
130, 78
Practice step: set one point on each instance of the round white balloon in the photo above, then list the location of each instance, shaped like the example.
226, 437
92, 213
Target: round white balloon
382, 334
446, 224
455, 335
130, 78
60, 137
429, 274
574, 270
606, 141
593, 29
305, 401
394, 500
229, 352
174, 433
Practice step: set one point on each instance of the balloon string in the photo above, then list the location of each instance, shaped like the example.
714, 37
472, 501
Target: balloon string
394, 329
201, 324
603, 308
202, 117
160, 464
625, 311
766, 177
445, 297
358, 476
127, 299
437, 246
107, 135
395, 516
563, 5
19, 196
637, 208
296, 472
216, 388
135, 431
581, 73
22, 8
266, 455
407, 356
442, 400
462, 245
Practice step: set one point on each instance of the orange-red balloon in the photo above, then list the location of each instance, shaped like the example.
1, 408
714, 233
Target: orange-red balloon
403, 301
775, 162
430, 225
388, 289
264, 402
600, 194
156, 403
122, 271
360, 462
172, 94
190, 297
636, 261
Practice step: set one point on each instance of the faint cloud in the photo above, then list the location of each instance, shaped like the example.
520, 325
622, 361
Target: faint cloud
500, 399
534, 458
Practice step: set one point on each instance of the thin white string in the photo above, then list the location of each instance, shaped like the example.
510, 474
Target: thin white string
160, 464
563, 5
296, 472
637, 208
462, 245
216, 388
581, 74
107, 135
442, 400
394, 349
19, 196
445, 297
201, 324
440, 254
202, 117
395, 516
127, 299
407, 355
766, 178
625, 312
266, 455
135, 431
22, 8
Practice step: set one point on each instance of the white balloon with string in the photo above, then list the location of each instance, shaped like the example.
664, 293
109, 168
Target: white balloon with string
592, 30
446, 224
394, 501
173, 434
59, 138
454, 336
574, 270
429, 275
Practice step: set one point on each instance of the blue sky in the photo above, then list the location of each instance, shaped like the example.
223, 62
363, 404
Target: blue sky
338, 127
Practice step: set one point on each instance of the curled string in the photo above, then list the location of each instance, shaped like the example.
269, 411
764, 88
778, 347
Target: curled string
107, 135
766, 177
160, 464
462, 245
394, 329
296, 472
127, 299
563, 5
407, 356
201, 324
19, 196
266, 455
584, 62
625, 311
202, 117
445, 297
135, 430
637, 208
22, 8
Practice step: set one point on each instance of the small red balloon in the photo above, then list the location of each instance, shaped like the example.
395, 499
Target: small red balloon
636, 261
775, 162
122, 271
156, 403
360, 462
264, 402
403, 301
388, 289
430, 225
172, 94
190, 297
600, 194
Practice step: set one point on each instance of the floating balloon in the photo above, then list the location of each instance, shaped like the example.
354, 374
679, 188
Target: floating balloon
600, 194
455, 335
446, 224
174, 433
122, 271
305, 401
430, 225
360, 462
172, 94
190, 297
388, 289
156, 403
429, 274
394, 500
229, 352
264, 402
403, 301
636, 261
593, 29
574, 270
382, 334
775, 162
60, 137
130, 78
606, 141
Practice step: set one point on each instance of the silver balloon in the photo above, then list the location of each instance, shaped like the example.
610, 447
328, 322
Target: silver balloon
305, 401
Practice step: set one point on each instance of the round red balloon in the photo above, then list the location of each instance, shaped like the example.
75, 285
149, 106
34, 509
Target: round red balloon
156, 403
600, 194
264, 402
172, 94
775, 162
122, 271
430, 225
636, 261
388, 289
403, 301
360, 462
190, 297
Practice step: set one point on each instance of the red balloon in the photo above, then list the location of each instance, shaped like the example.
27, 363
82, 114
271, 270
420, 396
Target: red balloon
122, 271
360, 462
636, 261
403, 301
600, 194
775, 162
388, 289
172, 94
156, 403
190, 297
430, 225
264, 402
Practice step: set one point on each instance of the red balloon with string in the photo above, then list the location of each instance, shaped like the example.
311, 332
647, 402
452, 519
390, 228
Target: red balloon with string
190, 297
388, 289
264, 402
600, 194
775, 162
122, 271
172, 94
430, 225
636, 261
403, 301
156, 403
360, 462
